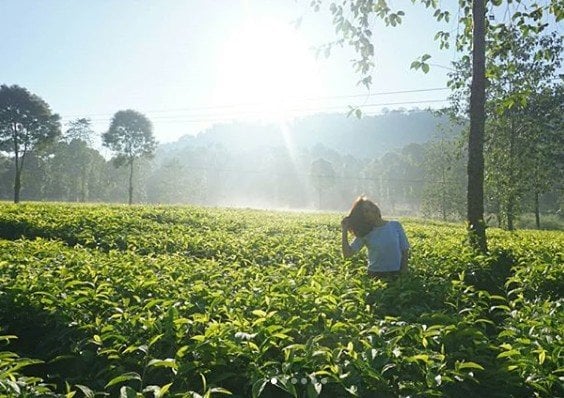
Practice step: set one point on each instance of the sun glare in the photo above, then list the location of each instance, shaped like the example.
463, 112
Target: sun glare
266, 71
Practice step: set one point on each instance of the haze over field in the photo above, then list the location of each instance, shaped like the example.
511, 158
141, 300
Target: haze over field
244, 102
182, 175
188, 64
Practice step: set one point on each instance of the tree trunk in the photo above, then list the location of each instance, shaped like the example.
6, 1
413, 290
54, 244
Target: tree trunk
17, 180
499, 216
512, 196
510, 213
443, 199
131, 182
17, 183
537, 210
475, 215
83, 177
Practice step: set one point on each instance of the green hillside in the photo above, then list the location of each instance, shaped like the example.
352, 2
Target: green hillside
368, 137
152, 301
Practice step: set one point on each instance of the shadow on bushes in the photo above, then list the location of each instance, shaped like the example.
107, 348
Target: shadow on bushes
409, 296
492, 273
49, 337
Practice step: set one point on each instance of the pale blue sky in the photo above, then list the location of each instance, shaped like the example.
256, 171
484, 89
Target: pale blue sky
186, 64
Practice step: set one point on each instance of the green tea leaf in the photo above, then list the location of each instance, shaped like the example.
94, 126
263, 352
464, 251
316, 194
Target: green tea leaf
123, 377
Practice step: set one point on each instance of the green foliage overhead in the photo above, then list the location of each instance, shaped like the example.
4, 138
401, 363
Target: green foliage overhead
354, 22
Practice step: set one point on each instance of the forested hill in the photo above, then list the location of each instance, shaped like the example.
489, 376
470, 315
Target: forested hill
368, 137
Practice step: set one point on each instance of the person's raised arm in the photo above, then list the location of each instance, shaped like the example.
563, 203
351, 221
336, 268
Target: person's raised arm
345, 246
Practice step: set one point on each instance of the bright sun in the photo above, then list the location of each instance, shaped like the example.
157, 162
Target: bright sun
267, 70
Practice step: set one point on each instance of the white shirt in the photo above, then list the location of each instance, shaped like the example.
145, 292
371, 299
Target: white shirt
385, 245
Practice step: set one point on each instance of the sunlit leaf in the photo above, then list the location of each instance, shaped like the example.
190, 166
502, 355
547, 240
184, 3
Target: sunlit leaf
124, 377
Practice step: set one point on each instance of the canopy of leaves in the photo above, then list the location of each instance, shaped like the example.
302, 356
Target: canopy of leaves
523, 111
80, 129
26, 120
130, 135
354, 22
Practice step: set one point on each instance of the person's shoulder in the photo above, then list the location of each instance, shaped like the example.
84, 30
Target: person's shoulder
395, 224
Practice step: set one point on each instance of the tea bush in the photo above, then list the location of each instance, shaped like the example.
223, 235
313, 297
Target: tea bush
154, 301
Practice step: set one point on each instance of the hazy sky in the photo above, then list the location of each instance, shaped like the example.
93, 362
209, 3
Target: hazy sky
187, 64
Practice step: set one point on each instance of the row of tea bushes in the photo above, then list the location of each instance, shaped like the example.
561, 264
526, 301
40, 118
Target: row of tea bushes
188, 301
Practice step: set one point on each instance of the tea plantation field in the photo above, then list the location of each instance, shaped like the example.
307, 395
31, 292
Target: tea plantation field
147, 301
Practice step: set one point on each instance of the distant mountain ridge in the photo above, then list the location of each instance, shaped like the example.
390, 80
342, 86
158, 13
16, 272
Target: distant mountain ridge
368, 137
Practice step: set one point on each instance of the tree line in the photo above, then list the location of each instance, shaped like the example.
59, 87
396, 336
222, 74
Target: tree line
426, 178
30, 130
480, 37
506, 86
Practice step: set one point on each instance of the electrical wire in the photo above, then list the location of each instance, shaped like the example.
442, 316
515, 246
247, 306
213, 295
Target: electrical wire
257, 103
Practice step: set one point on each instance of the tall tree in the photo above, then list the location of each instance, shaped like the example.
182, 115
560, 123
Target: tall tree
517, 77
5, 173
413, 156
352, 20
173, 182
393, 179
75, 171
26, 123
80, 129
546, 151
130, 136
515, 131
475, 191
79, 137
444, 193
322, 177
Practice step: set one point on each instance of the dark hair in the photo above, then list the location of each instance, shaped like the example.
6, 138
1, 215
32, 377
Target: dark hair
359, 224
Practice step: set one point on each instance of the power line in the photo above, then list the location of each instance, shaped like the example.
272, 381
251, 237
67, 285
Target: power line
224, 106
250, 113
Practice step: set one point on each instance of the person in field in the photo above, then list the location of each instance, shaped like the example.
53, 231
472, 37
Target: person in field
387, 244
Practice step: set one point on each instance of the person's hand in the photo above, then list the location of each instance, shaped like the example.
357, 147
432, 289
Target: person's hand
345, 224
